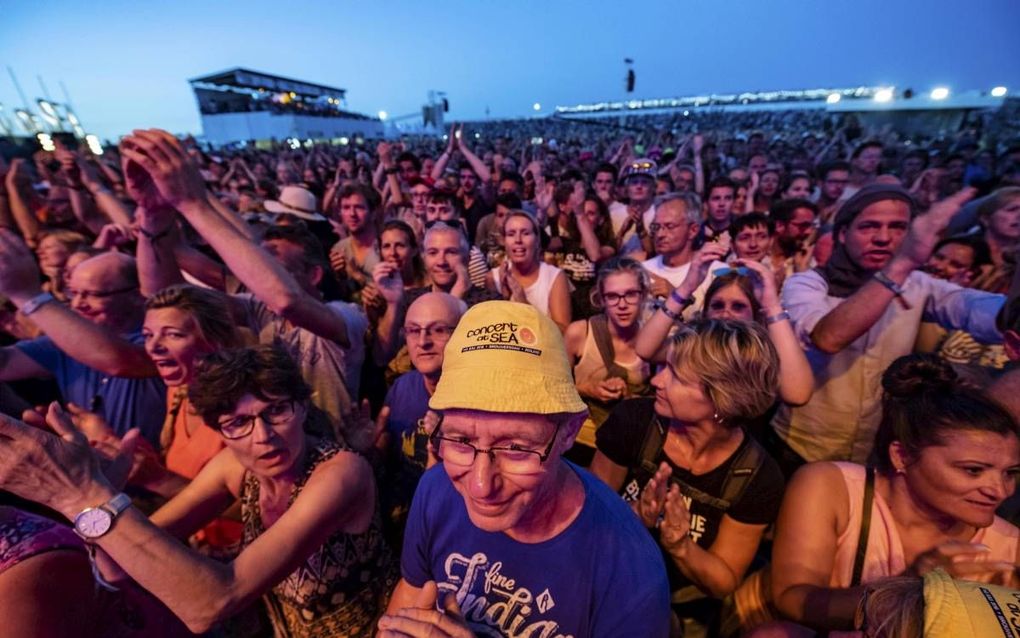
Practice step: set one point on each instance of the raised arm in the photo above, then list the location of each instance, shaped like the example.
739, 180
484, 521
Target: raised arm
483, 172
89, 343
180, 184
444, 158
845, 323
19, 186
63, 473
796, 381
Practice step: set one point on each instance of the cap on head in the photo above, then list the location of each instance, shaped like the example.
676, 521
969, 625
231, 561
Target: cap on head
869, 195
507, 357
643, 166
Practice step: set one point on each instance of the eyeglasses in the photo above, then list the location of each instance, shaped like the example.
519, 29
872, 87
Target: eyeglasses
97, 294
642, 166
438, 331
275, 414
656, 227
512, 459
631, 297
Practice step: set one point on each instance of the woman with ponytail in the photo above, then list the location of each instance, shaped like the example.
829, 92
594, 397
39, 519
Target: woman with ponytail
946, 458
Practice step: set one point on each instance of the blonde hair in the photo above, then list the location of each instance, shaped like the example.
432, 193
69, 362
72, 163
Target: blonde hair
207, 307
998, 199
735, 362
213, 325
895, 608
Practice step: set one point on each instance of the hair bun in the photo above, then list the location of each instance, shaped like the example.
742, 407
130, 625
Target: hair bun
918, 374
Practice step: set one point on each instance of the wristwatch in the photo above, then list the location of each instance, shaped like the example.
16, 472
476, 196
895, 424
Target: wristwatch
36, 302
92, 522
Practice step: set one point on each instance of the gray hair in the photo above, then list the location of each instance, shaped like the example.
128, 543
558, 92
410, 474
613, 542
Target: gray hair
443, 227
691, 202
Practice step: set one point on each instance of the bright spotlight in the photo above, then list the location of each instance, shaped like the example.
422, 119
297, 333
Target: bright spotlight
383, 115
883, 95
344, 141
939, 93
999, 91
94, 145
536, 106
833, 98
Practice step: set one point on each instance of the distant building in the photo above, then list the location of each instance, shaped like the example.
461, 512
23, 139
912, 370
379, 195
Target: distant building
241, 105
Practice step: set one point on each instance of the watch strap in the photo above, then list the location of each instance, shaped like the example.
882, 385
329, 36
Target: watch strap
117, 504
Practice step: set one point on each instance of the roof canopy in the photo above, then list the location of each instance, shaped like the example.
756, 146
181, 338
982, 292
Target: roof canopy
246, 78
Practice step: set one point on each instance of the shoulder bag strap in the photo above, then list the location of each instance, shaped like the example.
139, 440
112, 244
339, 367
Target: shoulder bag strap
862, 541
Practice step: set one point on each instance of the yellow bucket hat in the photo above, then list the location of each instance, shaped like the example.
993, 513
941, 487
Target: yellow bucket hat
957, 608
506, 357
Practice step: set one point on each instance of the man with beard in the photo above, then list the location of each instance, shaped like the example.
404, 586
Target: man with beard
860, 312
794, 221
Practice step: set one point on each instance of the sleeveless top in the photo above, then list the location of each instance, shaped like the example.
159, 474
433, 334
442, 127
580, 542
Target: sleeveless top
342, 587
885, 555
538, 292
24, 535
591, 367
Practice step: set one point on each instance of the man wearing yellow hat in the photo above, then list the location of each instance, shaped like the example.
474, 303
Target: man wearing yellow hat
506, 536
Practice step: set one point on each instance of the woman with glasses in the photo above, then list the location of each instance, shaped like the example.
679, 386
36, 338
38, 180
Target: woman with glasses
607, 368
311, 545
524, 277
705, 490
182, 324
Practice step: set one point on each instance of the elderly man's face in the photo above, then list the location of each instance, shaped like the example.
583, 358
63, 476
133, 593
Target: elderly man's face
99, 294
498, 501
427, 328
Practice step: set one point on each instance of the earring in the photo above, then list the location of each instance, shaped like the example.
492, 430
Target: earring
901, 470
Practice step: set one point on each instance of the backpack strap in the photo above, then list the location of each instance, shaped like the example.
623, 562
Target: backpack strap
651, 447
862, 539
742, 471
604, 342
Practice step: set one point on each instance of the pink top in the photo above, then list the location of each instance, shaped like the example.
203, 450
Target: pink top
885, 556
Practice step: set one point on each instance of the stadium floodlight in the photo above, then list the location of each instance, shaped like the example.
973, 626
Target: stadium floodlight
383, 115
939, 93
884, 95
537, 106
344, 141
999, 91
46, 142
94, 145
833, 98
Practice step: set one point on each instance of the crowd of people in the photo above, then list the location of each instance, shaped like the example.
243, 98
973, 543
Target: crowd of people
752, 376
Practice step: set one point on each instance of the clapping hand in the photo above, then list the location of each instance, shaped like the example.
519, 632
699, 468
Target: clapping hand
425, 619
650, 504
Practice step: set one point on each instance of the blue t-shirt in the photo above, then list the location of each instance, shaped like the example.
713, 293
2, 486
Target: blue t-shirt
601, 577
124, 403
408, 401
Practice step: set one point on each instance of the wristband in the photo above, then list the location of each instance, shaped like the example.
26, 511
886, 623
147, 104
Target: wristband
776, 318
36, 302
675, 316
154, 237
893, 287
680, 299
391, 171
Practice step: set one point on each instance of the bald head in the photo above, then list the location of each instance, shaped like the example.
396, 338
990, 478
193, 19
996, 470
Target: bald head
429, 322
104, 290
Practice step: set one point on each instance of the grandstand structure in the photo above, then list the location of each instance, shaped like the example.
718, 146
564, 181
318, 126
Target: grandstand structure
854, 99
240, 106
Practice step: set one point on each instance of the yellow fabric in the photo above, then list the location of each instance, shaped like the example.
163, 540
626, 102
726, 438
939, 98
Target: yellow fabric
506, 357
958, 608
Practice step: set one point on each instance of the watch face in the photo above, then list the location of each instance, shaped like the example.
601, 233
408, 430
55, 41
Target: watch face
93, 523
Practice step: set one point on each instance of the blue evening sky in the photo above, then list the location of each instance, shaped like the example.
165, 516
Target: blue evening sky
126, 64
